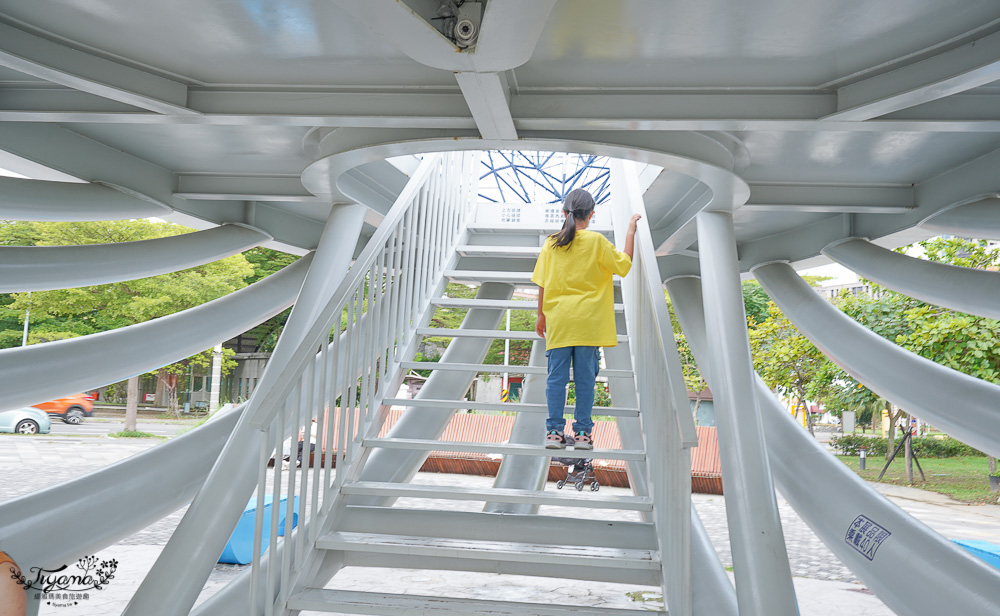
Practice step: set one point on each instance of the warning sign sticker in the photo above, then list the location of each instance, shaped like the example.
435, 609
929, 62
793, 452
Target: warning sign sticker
866, 536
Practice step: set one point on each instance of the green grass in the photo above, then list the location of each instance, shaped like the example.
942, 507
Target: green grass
134, 434
962, 478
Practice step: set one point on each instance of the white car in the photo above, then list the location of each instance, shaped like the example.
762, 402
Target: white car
28, 420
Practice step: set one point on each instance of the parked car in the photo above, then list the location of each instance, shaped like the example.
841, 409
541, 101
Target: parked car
28, 420
71, 409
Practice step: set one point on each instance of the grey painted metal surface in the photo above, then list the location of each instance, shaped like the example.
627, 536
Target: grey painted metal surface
856, 109
525, 472
980, 218
760, 561
959, 288
115, 501
961, 405
867, 129
401, 465
37, 268
80, 364
70, 201
173, 584
899, 569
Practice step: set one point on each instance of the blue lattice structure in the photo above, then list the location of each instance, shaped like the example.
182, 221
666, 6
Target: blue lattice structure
541, 177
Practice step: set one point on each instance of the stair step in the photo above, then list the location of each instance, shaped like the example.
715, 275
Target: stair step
512, 304
494, 368
556, 555
521, 407
511, 252
357, 602
518, 228
485, 333
503, 448
499, 495
523, 278
478, 276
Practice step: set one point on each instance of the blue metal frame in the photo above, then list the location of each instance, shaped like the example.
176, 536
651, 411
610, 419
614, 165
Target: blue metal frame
542, 177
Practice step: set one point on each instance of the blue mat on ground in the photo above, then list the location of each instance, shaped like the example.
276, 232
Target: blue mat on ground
990, 552
239, 550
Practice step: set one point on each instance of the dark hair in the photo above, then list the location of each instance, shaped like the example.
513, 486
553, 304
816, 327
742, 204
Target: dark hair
578, 204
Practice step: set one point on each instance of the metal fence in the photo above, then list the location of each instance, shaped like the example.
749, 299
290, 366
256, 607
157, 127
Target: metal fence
327, 398
667, 425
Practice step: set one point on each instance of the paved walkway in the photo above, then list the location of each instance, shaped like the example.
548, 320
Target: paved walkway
823, 584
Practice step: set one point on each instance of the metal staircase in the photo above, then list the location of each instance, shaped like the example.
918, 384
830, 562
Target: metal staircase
482, 541
335, 375
436, 538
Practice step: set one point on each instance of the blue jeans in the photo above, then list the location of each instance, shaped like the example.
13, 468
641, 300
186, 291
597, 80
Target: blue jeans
586, 362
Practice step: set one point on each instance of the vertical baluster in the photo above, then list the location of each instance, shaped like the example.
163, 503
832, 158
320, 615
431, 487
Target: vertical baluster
293, 434
308, 442
272, 570
399, 320
343, 371
347, 406
323, 422
410, 269
420, 245
439, 197
427, 207
457, 184
387, 335
333, 412
357, 349
266, 447
435, 235
375, 339
364, 362
394, 332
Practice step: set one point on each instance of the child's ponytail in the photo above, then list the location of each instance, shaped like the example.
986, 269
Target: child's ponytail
578, 206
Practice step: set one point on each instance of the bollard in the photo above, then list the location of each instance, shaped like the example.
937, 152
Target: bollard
861, 460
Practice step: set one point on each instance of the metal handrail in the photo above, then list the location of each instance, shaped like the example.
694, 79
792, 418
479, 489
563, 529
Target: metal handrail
667, 425
329, 392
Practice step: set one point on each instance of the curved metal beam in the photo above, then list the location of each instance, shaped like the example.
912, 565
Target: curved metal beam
90, 361
696, 155
39, 268
980, 219
919, 385
44, 200
116, 501
959, 288
186, 561
898, 571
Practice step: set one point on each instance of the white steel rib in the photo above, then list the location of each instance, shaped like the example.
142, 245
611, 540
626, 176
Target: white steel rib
38, 268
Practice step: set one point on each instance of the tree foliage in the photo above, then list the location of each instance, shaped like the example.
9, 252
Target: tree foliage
66, 313
788, 361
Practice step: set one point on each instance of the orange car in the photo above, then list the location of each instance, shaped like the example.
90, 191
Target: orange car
71, 409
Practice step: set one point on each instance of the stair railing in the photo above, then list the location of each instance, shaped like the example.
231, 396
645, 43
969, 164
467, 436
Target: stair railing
667, 425
328, 396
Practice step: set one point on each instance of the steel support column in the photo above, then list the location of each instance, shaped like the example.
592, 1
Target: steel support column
899, 575
760, 562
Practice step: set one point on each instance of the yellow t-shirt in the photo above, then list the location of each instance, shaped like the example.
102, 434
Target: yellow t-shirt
579, 301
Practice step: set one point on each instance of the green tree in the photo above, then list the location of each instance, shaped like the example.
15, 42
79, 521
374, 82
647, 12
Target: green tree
966, 343
788, 361
755, 302
265, 262
104, 307
173, 374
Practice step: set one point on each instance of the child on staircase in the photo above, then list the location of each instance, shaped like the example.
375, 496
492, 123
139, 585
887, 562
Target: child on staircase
576, 312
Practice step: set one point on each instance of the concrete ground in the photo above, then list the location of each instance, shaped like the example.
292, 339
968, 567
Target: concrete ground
824, 586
